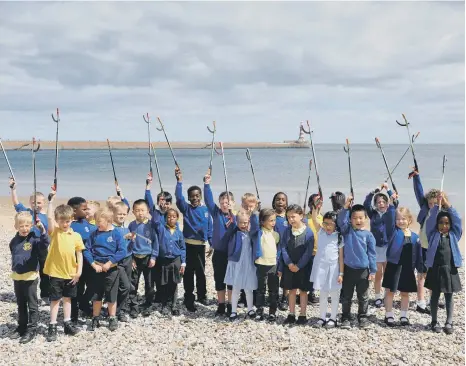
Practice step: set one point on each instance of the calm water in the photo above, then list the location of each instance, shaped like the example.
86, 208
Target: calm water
88, 173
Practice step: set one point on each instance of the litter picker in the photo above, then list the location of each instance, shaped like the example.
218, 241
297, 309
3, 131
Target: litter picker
57, 121
162, 129
406, 124
34, 150
224, 169
248, 155
113, 167
8, 163
309, 132
147, 120
399, 161
443, 172
157, 168
386, 165
307, 186
212, 146
347, 150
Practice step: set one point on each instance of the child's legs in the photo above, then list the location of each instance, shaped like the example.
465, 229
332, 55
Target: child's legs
229, 293
219, 264
303, 302
347, 291
404, 301
66, 308
449, 306
188, 277
124, 285
234, 299
378, 277
272, 284
133, 292
32, 302
388, 302
261, 274
362, 287
96, 308
292, 300
249, 299
21, 301
112, 280
54, 306
199, 270
148, 285
335, 296
173, 295
323, 304
56, 291
434, 305
44, 279
420, 287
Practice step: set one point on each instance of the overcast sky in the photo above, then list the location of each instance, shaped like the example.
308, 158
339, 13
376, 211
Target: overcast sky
258, 69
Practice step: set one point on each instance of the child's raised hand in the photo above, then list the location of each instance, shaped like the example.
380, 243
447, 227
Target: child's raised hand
130, 236
439, 199
385, 186
12, 183
178, 174
207, 178
394, 197
348, 202
40, 226
148, 181
52, 195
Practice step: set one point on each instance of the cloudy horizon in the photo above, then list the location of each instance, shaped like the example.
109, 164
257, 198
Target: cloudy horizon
258, 69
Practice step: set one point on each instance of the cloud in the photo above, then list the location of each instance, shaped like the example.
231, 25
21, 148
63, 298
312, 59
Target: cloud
256, 68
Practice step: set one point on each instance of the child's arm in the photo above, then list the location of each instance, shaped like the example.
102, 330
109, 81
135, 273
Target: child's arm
50, 214
309, 250
315, 220
155, 249
79, 259
284, 252
343, 221
389, 219
371, 255
368, 203
180, 201
14, 196
228, 236
254, 223
341, 264
431, 222
148, 198
183, 254
208, 197
419, 259
120, 249
418, 190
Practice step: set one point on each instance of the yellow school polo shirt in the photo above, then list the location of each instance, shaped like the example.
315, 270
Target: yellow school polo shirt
61, 261
315, 231
269, 241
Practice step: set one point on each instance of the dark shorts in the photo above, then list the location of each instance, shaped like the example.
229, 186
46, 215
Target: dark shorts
220, 263
106, 283
60, 288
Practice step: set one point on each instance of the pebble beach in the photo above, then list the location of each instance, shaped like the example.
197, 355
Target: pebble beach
202, 339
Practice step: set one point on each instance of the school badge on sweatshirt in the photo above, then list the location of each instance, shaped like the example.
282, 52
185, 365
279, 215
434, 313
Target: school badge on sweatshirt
27, 246
109, 239
147, 233
86, 229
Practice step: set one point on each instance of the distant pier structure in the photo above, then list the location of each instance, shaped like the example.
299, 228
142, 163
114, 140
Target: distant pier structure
302, 141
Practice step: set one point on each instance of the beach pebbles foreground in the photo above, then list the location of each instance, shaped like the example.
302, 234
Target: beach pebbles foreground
202, 339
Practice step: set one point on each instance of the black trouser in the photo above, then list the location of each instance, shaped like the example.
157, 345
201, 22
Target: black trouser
195, 264
44, 280
84, 293
142, 266
169, 294
352, 278
267, 277
125, 267
26, 298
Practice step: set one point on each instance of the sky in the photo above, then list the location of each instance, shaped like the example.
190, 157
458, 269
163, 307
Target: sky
257, 68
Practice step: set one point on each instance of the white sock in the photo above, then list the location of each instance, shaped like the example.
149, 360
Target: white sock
379, 296
249, 299
404, 314
335, 295
389, 314
67, 320
323, 304
421, 303
234, 299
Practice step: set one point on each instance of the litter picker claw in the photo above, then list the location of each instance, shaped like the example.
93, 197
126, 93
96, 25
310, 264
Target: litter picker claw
347, 150
399, 161
212, 146
57, 121
309, 132
406, 124
146, 119
443, 172
34, 150
157, 168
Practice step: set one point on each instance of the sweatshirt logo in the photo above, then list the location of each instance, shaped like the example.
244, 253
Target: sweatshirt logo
147, 233
206, 214
86, 229
109, 239
27, 246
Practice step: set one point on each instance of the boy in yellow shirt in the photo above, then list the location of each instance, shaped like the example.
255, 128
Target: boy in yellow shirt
63, 265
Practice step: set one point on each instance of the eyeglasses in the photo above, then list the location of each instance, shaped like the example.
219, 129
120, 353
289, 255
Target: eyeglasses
328, 224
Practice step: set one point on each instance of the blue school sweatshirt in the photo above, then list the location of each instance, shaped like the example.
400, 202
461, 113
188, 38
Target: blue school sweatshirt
146, 241
104, 246
171, 242
396, 239
25, 252
281, 225
378, 228
421, 200
42, 217
127, 244
220, 220
307, 250
233, 241
197, 224
434, 236
83, 228
359, 249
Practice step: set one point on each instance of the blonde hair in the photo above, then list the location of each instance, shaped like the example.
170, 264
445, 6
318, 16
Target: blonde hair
405, 212
95, 204
38, 195
242, 213
104, 213
64, 212
248, 196
23, 217
118, 205
112, 200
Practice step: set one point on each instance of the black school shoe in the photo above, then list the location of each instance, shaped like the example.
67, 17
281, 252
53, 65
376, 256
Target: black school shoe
191, 308
17, 333
112, 323
133, 313
147, 311
203, 301
220, 310
176, 312
435, 327
123, 317
52, 333
448, 328
291, 319
251, 314
363, 322
345, 323
283, 304
425, 310
70, 329
95, 323
29, 335
302, 320
313, 298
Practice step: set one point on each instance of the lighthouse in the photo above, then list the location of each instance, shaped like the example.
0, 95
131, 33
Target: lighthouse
301, 138
302, 141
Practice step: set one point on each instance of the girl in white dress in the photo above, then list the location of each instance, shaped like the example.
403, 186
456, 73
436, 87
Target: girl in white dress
327, 271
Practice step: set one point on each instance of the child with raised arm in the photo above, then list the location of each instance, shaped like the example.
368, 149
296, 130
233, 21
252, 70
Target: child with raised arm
80, 225
25, 250
63, 264
296, 245
145, 248
42, 216
164, 200
265, 255
328, 266
104, 250
125, 266
404, 256
171, 262
443, 258
196, 235
241, 272
222, 217
376, 205
359, 258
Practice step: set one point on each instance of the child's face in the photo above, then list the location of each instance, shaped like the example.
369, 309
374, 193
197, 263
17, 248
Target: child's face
119, 215
225, 205
269, 222
23, 227
329, 226
140, 212
172, 218
358, 220
444, 225
280, 203
294, 219
194, 198
381, 204
402, 221
103, 224
249, 204
163, 204
432, 202
81, 212
243, 223
64, 224
40, 203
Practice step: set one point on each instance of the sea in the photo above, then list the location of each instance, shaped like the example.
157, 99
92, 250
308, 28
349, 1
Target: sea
88, 173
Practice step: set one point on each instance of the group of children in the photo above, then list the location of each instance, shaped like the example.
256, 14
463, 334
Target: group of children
83, 253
